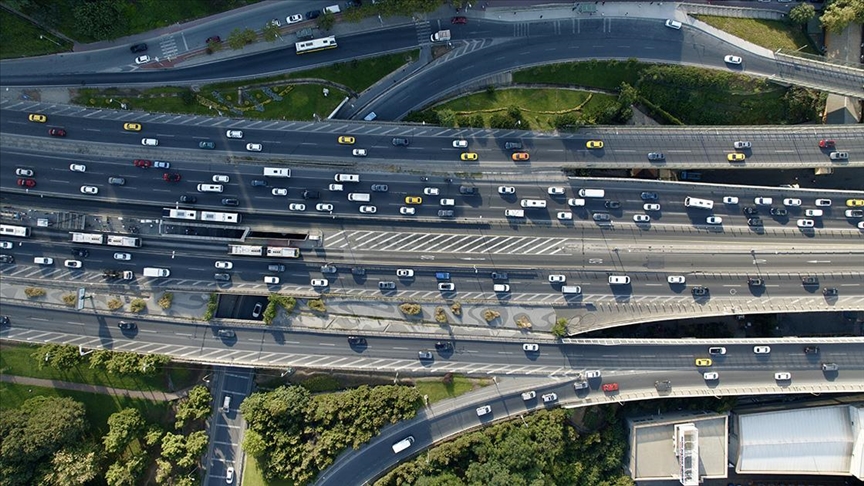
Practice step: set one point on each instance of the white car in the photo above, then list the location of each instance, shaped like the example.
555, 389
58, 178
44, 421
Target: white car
159, 164
43, 261
557, 278
555, 191
641, 218
549, 397
359, 152
229, 475
730, 59
404, 272
24, 172
481, 411
254, 147
710, 376
142, 59
406, 211
676, 279
368, 209
763, 201
319, 282
446, 287
592, 374
782, 376
506, 190
460, 144
122, 256
297, 207
223, 265
761, 349
269, 279
530, 347
565, 215
150, 142
730, 200
714, 220
234, 134
447, 202
293, 19
221, 178
275, 22
324, 207
529, 395
742, 145
813, 213
89, 190
825, 203
72, 264
431, 191
791, 202
861, 225
6, 245
806, 223
78, 168
651, 207
279, 191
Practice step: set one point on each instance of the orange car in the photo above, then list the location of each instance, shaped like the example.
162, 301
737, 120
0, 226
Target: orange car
518, 156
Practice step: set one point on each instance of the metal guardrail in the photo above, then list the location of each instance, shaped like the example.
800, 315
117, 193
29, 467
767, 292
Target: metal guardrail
702, 342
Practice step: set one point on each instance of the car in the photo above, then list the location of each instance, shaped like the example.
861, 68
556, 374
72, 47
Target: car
612, 204
601, 216
380, 188
356, 341
229, 475
79, 252
782, 376
43, 260
742, 145
520, 156
710, 376
730, 200
24, 172
580, 385
673, 24
750, 210
860, 225
89, 190
827, 143
446, 286
779, 212
226, 333
699, 291
714, 220
127, 326
792, 202
431, 191
313, 14
224, 265
641, 218
234, 134
7, 259
806, 223
6, 245
259, 183
230, 201
188, 199
254, 147
368, 209
57, 132
530, 347
468, 156
555, 191
407, 211
839, 155
755, 221
755, 282
213, 39
206, 144
297, 207
549, 398
610, 387
830, 367
328, 268
854, 213
854, 203
649, 196
293, 19
132, 127
830, 292
324, 207
459, 20
144, 164
400, 142
592, 374
136, 48
256, 312
810, 280
444, 346
654, 156
704, 362
359, 152
557, 279
485, 409
38, 118
26, 182
663, 385
730, 59
445, 213
467, 190
564, 215
122, 256
823, 203
735, 157
405, 273
506, 190
275, 22
529, 395
676, 279
310, 194
761, 349
319, 282
171, 177
142, 59
161, 164
150, 142
72, 264
811, 349
447, 202
651, 207
279, 191
221, 178
575, 202
717, 350
500, 276
594, 144
460, 143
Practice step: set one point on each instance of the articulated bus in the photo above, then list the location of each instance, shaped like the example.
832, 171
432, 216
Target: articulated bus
693, 202
89, 238
283, 252
179, 214
127, 241
208, 216
217, 217
316, 45
248, 250
12, 230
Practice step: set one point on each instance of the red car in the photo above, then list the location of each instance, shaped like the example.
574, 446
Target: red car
826, 143
142, 163
171, 177
26, 182
214, 39
459, 20
610, 387
57, 132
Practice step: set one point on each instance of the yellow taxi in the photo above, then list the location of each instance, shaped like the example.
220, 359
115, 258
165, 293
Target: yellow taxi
413, 200
854, 203
468, 156
703, 362
520, 156
344, 140
735, 157
132, 127
35, 117
594, 144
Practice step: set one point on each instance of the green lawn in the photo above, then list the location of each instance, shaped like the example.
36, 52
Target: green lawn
359, 74
252, 475
20, 38
15, 360
770, 34
605, 75
436, 390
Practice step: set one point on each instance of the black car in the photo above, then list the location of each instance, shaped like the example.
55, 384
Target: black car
307, 194
755, 282
142, 47
499, 275
4, 320
601, 216
188, 199
664, 385
513, 145
127, 326
313, 14
224, 277
810, 280
829, 291
811, 349
779, 212
356, 341
757, 221
259, 183
445, 213
649, 196
380, 188
225, 333
468, 191
228, 201
400, 142
750, 210
276, 267
358, 271
387, 285
613, 205
7, 259
80, 252
697, 291
443, 346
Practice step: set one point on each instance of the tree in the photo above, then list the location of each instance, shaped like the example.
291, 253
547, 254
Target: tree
123, 426
195, 406
802, 13
270, 32
196, 445
253, 443
840, 13
164, 470
72, 466
173, 446
236, 39
326, 21
98, 19
58, 356
126, 471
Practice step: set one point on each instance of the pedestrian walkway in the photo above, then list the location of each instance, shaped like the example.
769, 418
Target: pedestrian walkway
87, 388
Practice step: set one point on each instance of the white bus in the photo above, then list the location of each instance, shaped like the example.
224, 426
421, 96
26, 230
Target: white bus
248, 250
217, 217
127, 241
179, 213
91, 238
316, 45
693, 202
283, 252
12, 230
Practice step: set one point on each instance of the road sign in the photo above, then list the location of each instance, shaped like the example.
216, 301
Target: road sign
80, 304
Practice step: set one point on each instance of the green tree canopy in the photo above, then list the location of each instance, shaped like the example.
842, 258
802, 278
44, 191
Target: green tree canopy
123, 426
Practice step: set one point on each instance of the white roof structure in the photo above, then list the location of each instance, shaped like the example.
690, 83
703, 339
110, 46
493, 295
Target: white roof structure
819, 440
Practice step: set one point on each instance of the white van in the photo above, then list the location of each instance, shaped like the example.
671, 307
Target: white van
403, 444
347, 178
514, 213
334, 9
156, 272
277, 172
619, 279
592, 193
571, 289
501, 288
673, 24
43, 261
149, 141
533, 203
226, 403
358, 196
210, 188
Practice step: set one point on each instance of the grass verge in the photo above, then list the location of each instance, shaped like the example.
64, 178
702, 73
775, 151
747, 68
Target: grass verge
252, 475
770, 34
606, 75
21, 38
437, 390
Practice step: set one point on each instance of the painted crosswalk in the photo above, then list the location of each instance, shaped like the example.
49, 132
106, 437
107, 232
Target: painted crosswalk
448, 243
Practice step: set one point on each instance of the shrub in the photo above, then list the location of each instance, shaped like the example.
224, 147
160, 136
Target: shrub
166, 300
70, 299
212, 305
523, 322
137, 305
270, 313
490, 315
560, 327
34, 292
456, 309
115, 304
317, 305
411, 309
288, 303
440, 315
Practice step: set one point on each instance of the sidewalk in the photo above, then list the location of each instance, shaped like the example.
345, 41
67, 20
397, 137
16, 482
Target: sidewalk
82, 387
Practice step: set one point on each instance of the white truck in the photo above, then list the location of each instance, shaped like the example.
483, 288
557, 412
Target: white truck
440, 36
156, 272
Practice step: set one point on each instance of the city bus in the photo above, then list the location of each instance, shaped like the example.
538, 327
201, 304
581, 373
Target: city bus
217, 217
693, 202
89, 238
179, 213
12, 230
248, 250
313, 45
127, 241
283, 252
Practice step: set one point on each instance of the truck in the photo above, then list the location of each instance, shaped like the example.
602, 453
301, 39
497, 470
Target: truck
122, 274
156, 272
440, 36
